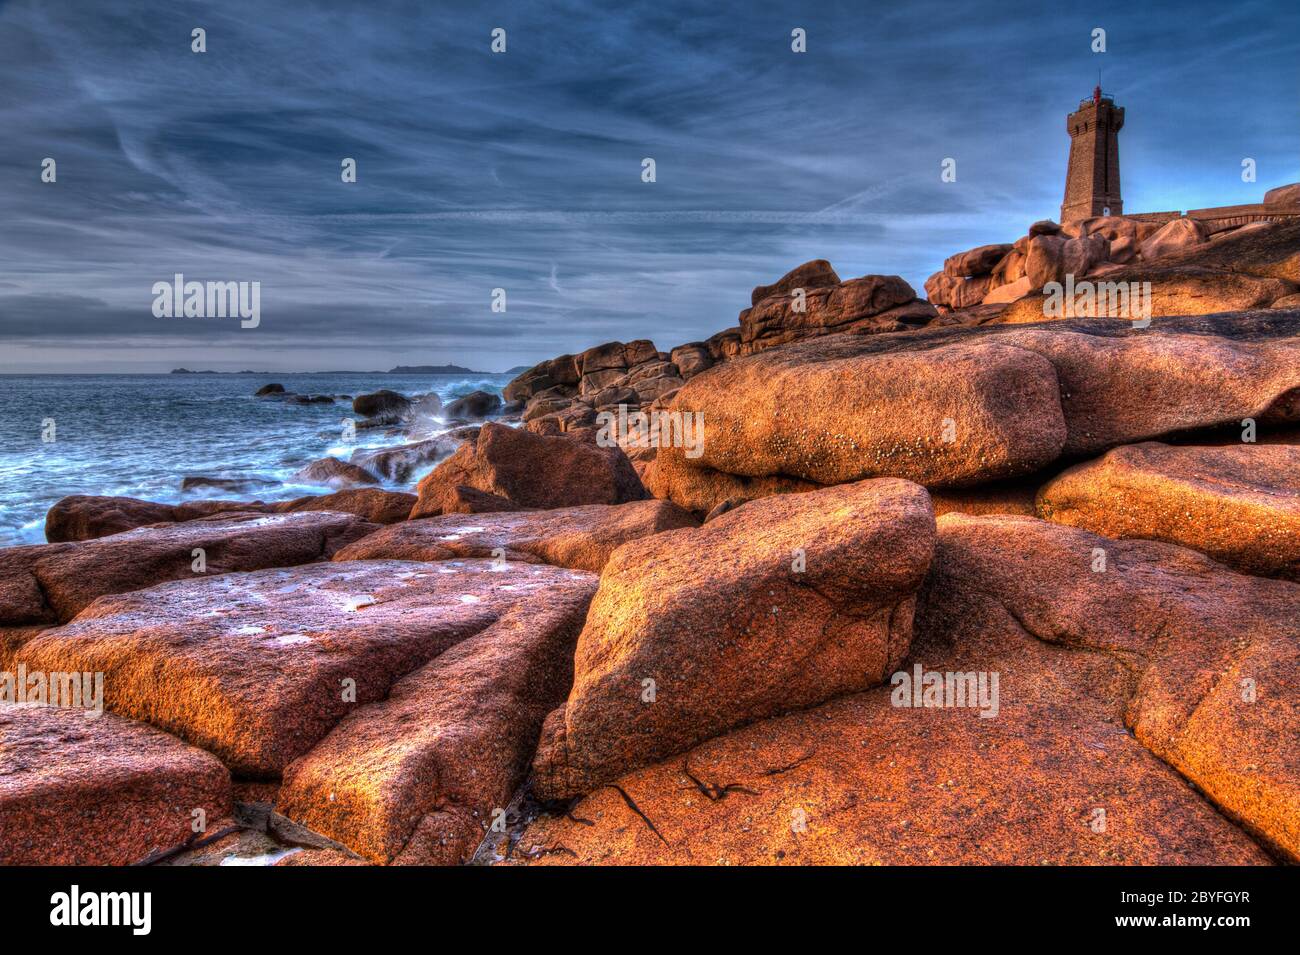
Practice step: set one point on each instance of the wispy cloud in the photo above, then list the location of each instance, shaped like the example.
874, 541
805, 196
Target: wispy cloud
523, 170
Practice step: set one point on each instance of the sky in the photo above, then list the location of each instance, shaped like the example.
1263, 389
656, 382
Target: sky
522, 170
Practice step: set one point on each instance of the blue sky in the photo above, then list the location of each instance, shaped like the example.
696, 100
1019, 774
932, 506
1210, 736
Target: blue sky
523, 170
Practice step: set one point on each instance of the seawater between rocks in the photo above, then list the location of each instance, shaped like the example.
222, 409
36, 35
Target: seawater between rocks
138, 435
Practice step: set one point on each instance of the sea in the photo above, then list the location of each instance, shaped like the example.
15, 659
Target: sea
139, 435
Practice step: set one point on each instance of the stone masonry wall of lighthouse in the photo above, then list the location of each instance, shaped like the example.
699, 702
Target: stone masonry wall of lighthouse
1092, 179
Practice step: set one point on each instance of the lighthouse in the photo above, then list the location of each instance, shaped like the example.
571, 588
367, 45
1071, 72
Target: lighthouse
1092, 178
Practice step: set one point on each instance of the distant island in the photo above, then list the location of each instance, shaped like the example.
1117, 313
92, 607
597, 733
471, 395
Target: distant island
435, 370
399, 370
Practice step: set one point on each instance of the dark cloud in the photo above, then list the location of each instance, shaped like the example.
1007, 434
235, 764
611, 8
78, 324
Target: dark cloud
522, 171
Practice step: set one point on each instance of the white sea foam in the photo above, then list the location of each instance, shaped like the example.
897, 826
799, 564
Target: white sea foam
139, 435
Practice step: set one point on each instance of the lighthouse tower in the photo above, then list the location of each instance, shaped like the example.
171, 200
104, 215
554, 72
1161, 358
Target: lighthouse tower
1092, 179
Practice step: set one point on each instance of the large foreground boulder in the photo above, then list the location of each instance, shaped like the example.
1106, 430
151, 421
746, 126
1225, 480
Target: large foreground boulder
533, 470
1009, 744
258, 667
1240, 505
1048, 776
53, 582
774, 606
417, 778
579, 537
100, 790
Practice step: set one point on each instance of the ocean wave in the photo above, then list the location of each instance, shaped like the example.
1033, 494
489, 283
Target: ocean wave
138, 436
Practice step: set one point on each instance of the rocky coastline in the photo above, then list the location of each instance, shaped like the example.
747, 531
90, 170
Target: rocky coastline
944, 580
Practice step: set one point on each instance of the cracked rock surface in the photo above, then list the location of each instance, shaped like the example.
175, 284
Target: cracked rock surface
258, 667
1121, 734
418, 778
